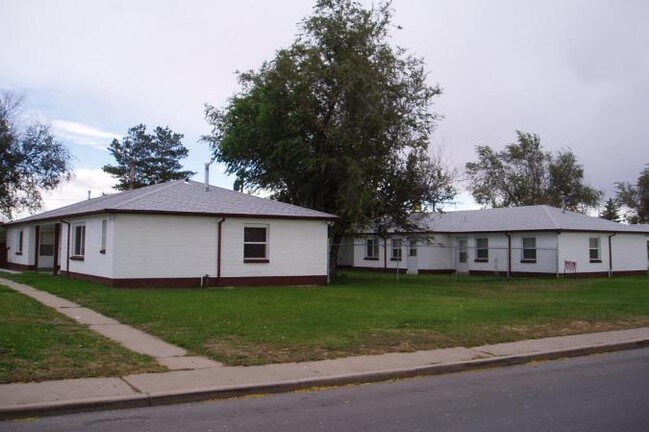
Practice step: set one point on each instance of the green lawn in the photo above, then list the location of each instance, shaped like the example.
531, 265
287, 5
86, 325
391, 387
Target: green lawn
37, 343
364, 313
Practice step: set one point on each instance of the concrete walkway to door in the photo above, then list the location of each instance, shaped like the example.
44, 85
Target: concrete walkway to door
168, 355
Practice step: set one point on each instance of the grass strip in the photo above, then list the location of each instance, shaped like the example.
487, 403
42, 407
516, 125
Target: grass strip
38, 344
363, 313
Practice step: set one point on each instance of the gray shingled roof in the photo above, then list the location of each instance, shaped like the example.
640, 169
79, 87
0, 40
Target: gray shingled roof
529, 218
182, 197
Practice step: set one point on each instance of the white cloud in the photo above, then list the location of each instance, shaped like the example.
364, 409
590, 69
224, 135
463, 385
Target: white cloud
81, 181
463, 201
83, 134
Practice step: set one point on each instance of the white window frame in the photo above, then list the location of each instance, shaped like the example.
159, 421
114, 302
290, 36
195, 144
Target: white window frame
412, 248
525, 248
266, 243
484, 249
20, 240
396, 253
597, 249
372, 248
79, 246
104, 234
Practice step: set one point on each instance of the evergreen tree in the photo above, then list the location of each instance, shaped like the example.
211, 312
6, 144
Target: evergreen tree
610, 211
144, 159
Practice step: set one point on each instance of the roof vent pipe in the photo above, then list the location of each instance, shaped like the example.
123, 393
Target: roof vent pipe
89, 192
207, 176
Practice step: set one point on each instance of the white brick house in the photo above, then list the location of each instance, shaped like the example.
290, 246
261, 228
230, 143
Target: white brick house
532, 240
176, 234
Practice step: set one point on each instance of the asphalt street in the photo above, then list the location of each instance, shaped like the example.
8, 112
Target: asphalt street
606, 392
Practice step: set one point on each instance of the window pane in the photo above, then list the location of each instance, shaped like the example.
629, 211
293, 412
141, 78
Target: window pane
396, 248
529, 254
372, 248
254, 251
593, 242
594, 254
79, 240
46, 250
482, 243
254, 234
529, 242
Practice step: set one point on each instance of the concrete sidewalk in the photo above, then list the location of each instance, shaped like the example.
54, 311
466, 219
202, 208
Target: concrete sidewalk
55, 397
198, 378
168, 355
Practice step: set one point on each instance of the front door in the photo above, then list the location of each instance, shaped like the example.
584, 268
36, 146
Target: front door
46, 249
462, 255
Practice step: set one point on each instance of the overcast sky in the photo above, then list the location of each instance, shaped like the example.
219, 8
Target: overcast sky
575, 72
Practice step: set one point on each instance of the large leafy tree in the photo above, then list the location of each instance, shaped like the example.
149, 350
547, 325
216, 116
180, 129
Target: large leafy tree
525, 174
338, 122
635, 197
144, 159
32, 160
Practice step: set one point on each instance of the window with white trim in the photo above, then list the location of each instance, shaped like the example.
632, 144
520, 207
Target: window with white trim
482, 249
20, 236
396, 249
104, 232
255, 243
412, 251
594, 253
79, 239
371, 248
529, 249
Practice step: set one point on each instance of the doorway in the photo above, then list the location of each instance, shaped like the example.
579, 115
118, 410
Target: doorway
462, 259
46, 249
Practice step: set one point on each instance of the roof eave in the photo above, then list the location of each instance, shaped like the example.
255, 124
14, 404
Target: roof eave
556, 230
170, 213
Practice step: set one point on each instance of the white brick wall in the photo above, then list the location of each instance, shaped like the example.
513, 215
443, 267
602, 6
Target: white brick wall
296, 248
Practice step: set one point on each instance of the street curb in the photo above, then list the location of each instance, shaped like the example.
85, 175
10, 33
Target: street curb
225, 392
74, 406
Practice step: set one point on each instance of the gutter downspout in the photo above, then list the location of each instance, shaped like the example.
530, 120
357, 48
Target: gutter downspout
610, 255
509, 255
67, 251
218, 252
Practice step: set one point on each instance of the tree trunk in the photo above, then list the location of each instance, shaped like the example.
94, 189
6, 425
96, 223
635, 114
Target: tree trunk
333, 257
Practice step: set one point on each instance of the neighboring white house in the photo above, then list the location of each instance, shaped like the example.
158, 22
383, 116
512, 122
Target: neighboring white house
176, 234
533, 240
